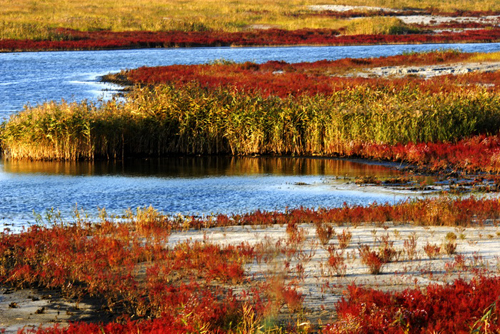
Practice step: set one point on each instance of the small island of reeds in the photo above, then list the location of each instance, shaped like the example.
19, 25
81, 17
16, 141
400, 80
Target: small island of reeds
326, 108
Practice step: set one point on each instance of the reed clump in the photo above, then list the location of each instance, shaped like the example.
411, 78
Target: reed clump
190, 119
378, 25
492, 56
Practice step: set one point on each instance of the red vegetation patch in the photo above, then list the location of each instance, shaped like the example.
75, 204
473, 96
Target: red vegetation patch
456, 308
478, 153
427, 212
282, 79
78, 40
187, 287
133, 276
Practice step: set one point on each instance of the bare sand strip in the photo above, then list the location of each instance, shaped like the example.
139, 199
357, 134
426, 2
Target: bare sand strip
428, 20
478, 248
431, 20
425, 71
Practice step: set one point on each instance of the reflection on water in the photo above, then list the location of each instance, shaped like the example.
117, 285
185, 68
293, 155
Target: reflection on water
189, 167
190, 186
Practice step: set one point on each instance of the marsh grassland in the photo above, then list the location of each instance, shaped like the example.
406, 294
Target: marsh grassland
30, 26
447, 122
35, 19
428, 265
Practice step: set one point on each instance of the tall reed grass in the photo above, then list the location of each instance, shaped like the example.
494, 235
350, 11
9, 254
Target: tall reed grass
378, 25
193, 120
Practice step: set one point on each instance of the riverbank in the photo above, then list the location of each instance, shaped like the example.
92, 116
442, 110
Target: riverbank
107, 40
290, 270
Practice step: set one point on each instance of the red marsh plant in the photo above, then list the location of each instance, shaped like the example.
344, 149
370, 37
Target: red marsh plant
410, 247
386, 249
459, 263
336, 261
320, 77
131, 273
432, 250
97, 40
296, 234
325, 233
461, 307
470, 211
374, 260
450, 247
344, 239
281, 294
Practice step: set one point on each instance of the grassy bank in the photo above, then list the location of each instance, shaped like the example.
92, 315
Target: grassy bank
193, 120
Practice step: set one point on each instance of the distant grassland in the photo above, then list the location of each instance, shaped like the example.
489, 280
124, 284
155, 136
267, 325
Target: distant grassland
36, 19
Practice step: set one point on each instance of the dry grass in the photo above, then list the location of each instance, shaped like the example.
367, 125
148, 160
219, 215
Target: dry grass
192, 120
479, 57
35, 19
32, 19
376, 26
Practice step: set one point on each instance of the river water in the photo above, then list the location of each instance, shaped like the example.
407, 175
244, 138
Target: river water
190, 186
198, 186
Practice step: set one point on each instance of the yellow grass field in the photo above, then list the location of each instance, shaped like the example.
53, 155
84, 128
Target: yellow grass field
35, 19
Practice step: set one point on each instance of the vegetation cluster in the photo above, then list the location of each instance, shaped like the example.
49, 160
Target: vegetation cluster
66, 39
145, 283
37, 21
315, 109
461, 307
132, 271
424, 212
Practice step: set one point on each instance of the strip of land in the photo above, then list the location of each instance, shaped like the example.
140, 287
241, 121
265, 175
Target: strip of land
289, 270
242, 24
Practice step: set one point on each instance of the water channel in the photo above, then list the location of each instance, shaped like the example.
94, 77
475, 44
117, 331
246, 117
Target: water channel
191, 186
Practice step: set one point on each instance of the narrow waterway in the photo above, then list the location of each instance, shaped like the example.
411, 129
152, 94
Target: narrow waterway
188, 186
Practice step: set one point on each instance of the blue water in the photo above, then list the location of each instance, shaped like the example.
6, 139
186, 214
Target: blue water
190, 186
